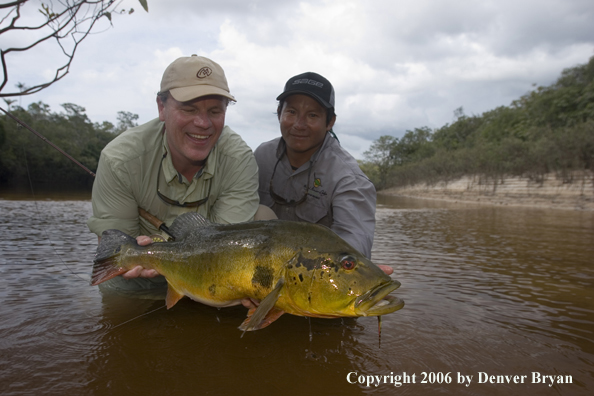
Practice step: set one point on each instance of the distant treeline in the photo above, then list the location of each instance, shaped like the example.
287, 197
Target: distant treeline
25, 158
550, 129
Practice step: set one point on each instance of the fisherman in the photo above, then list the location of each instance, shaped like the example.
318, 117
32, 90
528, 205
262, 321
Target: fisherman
306, 175
184, 160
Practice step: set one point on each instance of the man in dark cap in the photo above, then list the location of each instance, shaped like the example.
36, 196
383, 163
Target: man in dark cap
305, 175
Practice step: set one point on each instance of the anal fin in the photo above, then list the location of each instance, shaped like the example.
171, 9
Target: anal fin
173, 296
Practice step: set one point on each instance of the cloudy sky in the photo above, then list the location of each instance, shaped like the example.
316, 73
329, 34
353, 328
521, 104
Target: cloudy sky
395, 65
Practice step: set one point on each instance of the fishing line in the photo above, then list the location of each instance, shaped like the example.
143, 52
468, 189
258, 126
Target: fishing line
56, 253
379, 331
39, 216
139, 316
156, 222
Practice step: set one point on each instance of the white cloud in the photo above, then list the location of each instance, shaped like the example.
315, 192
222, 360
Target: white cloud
395, 65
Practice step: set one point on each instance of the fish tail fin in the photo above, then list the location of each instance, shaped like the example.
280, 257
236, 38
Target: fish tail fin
106, 264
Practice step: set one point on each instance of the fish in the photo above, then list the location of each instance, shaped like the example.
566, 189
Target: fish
298, 268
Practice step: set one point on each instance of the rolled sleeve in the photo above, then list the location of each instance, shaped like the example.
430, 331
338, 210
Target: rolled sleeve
238, 200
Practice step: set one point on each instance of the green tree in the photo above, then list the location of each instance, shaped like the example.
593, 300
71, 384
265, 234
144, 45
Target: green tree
126, 120
24, 156
550, 129
380, 153
413, 146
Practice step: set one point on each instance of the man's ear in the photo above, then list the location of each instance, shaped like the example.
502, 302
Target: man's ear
331, 123
161, 108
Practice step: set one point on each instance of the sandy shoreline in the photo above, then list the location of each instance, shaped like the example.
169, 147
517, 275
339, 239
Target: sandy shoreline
571, 193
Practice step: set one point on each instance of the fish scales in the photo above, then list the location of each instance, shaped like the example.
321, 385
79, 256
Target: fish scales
304, 269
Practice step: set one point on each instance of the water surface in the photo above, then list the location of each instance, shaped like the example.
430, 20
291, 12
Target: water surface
489, 291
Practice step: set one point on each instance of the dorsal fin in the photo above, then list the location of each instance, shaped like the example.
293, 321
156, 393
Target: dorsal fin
185, 223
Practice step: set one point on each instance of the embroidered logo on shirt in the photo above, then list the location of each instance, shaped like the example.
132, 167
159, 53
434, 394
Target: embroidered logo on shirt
314, 190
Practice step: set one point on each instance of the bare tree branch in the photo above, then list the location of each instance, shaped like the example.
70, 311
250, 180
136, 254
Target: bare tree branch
67, 23
14, 3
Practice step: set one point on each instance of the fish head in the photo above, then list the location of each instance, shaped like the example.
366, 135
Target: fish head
338, 284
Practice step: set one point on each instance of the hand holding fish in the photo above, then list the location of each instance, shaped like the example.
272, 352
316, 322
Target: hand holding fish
139, 271
386, 268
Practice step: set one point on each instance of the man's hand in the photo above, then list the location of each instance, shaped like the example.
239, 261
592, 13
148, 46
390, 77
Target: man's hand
387, 269
139, 271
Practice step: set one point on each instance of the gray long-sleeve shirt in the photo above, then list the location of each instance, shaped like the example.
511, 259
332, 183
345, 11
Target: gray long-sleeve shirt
339, 195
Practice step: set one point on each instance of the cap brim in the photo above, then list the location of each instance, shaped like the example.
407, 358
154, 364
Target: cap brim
316, 97
184, 94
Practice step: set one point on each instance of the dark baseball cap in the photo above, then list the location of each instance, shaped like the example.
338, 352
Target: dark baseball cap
311, 84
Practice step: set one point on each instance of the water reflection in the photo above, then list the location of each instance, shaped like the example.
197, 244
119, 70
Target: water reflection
497, 290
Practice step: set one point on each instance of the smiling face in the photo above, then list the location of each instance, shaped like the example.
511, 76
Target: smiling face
192, 129
303, 127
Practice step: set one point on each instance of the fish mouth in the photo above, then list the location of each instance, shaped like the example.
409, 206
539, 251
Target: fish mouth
376, 301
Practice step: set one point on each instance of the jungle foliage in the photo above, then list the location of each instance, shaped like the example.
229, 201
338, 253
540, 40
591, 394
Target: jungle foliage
550, 129
25, 158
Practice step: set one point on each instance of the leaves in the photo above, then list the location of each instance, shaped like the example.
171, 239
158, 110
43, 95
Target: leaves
71, 130
144, 4
550, 129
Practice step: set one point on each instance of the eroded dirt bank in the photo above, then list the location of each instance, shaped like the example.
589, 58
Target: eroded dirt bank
573, 192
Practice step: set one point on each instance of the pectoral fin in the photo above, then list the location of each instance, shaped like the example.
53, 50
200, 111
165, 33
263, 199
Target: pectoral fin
270, 317
266, 313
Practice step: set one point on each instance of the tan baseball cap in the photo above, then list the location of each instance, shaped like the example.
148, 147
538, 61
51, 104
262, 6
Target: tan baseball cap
191, 77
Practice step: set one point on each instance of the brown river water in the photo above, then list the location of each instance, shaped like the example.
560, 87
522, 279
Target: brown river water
503, 297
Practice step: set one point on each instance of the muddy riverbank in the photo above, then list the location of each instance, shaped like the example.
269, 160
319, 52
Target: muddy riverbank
572, 192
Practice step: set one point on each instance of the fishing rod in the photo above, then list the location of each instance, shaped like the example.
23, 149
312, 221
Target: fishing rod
143, 213
39, 135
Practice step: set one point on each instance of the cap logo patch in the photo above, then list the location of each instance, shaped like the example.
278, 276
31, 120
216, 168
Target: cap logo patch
204, 72
308, 81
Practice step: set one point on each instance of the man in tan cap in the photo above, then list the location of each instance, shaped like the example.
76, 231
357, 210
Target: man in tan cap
184, 160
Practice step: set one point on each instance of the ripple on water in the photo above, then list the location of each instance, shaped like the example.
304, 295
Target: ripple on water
499, 291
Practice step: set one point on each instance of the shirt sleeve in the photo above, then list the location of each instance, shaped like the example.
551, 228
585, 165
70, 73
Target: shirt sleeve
114, 205
265, 159
238, 200
353, 208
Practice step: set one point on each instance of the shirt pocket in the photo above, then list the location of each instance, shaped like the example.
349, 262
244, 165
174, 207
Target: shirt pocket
314, 210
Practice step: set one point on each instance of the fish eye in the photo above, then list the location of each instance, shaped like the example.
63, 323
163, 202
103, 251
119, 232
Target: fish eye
348, 263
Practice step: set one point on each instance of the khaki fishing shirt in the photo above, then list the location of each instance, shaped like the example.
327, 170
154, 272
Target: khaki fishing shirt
339, 195
127, 180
